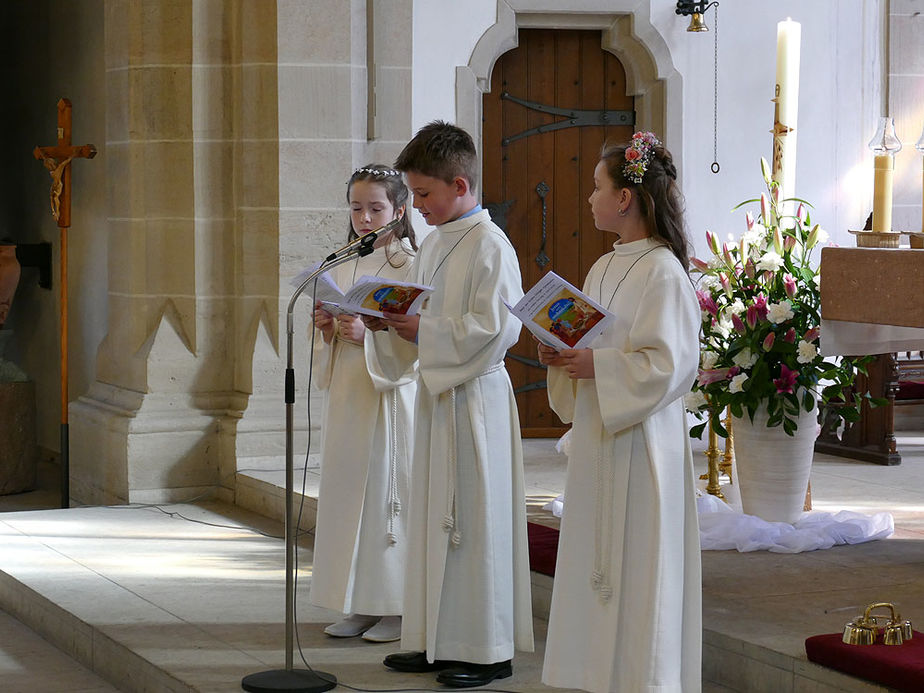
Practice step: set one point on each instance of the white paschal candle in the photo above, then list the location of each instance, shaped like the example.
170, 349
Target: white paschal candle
788, 40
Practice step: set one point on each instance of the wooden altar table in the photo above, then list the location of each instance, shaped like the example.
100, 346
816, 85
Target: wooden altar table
872, 302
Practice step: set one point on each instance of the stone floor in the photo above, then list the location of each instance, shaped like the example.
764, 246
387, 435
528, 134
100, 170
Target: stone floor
191, 597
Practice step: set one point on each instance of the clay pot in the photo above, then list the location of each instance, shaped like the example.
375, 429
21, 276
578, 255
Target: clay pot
9, 278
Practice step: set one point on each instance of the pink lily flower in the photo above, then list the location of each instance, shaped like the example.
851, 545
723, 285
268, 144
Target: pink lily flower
706, 302
813, 236
761, 304
749, 219
790, 336
789, 242
786, 381
700, 265
750, 269
751, 317
812, 335
789, 285
707, 376
768, 341
763, 209
801, 212
739, 324
726, 285
713, 242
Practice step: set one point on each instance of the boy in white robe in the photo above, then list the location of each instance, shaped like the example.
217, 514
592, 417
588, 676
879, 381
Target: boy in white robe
467, 591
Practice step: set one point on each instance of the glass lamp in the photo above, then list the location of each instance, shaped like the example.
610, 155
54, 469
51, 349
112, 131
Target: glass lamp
885, 145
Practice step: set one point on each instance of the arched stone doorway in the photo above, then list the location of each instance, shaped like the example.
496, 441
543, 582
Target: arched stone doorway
650, 83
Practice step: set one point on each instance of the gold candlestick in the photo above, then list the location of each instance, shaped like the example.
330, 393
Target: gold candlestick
726, 465
712, 460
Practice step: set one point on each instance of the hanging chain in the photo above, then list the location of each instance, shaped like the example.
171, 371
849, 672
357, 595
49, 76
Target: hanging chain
715, 94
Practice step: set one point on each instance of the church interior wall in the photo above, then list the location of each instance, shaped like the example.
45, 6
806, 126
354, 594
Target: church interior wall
906, 102
841, 78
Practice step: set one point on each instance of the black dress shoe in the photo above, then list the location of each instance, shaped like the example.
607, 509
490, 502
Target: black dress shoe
416, 662
468, 675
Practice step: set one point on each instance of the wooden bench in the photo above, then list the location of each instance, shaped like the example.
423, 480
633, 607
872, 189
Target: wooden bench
899, 378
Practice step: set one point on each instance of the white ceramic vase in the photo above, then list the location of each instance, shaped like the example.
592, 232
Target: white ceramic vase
773, 468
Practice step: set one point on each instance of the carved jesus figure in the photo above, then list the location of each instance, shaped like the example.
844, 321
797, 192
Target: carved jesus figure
56, 169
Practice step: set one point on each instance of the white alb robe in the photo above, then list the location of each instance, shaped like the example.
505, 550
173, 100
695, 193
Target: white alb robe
626, 605
467, 594
360, 547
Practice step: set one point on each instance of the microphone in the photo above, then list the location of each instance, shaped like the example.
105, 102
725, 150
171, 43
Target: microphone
363, 241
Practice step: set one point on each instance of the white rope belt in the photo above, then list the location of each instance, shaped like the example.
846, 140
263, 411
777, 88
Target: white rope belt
394, 500
451, 518
603, 527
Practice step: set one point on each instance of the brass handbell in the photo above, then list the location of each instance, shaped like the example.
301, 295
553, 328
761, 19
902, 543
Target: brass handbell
860, 632
864, 629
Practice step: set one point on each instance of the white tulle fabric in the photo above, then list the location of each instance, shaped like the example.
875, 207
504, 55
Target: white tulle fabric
721, 528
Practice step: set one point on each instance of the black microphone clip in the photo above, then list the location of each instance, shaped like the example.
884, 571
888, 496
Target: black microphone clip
361, 243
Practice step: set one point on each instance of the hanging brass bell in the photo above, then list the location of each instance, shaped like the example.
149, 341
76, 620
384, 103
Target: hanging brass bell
697, 23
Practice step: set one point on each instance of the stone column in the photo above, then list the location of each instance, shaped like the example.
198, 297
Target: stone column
158, 423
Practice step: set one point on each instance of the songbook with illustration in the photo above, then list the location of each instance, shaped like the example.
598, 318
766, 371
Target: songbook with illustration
369, 295
561, 315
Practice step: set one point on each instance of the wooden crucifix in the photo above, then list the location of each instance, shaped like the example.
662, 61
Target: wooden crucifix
57, 159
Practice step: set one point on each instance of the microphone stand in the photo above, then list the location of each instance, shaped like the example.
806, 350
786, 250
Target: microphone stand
289, 679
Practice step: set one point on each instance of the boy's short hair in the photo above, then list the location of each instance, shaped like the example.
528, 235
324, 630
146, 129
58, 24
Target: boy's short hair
441, 150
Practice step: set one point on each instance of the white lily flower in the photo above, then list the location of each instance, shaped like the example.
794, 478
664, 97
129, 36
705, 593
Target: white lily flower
737, 383
780, 312
708, 359
745, 359
770, 261
807, 352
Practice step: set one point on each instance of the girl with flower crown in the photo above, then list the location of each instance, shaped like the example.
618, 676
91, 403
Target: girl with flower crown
626, 608
360, 539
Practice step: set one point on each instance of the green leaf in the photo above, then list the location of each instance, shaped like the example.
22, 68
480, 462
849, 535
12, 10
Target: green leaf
697, 430
746, 202
850, 414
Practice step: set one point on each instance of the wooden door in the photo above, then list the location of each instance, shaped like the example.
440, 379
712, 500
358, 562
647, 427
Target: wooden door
539, 157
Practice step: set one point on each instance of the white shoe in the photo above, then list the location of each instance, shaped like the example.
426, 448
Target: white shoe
386, 630
351, 626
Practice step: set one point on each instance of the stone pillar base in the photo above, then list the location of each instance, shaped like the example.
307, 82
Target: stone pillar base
18, 458
128, 447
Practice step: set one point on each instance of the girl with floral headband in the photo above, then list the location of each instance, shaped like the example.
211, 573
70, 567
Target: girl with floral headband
360, 539
626, 609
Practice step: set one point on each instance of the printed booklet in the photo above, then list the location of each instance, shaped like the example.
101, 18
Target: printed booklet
560, 315
368, 295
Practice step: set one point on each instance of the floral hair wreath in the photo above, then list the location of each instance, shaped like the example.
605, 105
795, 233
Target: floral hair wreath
377, 172
639, 154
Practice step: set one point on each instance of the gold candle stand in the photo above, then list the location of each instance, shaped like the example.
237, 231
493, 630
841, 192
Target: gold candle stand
712, 460
726, 465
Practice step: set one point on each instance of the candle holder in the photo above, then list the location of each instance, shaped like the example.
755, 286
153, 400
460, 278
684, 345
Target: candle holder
712, 464
725, 466
917, 239
885, 145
